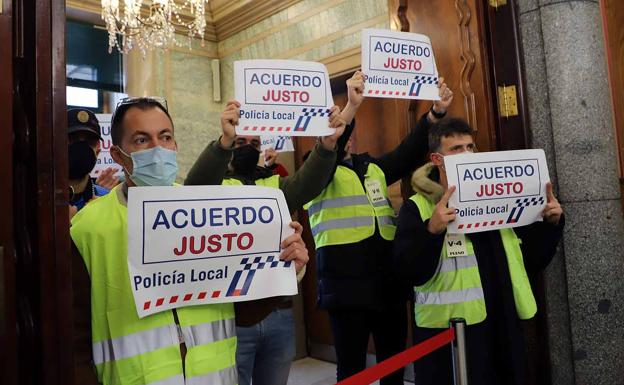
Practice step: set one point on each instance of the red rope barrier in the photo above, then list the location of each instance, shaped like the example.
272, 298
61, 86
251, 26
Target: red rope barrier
398, 361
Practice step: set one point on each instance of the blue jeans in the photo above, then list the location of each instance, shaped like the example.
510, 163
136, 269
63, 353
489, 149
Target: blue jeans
265, 350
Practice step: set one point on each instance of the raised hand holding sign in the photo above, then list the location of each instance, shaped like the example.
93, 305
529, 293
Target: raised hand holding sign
442, 214
283, 97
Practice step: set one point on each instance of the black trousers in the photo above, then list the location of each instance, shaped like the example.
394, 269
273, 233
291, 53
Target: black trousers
352, 328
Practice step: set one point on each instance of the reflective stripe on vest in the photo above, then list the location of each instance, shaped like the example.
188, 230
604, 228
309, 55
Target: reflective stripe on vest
175, 380
345, 223
456, 291
448, 297
343, 213
456, 263
134, 344
225, 376
337, 202
196, 335
130, 350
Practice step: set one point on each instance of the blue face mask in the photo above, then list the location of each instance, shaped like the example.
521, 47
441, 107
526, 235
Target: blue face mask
156, 166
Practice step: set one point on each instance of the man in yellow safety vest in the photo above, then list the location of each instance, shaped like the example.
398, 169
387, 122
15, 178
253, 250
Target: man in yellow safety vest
353, 225
190, 345
488, 286
265, 327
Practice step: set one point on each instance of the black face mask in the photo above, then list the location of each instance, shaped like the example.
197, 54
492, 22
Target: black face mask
245, 159
81, 160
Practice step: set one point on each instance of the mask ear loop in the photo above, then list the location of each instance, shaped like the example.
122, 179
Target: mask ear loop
442, 166
127, 156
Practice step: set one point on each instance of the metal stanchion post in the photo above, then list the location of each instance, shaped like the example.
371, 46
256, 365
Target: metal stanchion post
458, 348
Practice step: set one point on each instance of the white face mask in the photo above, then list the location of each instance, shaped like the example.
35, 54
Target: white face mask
156, 166
441, 157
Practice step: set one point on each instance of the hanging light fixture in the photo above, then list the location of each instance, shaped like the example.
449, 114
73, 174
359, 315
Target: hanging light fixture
152, 24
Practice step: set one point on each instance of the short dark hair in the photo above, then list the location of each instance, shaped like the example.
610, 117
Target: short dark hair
445, 128
143, 104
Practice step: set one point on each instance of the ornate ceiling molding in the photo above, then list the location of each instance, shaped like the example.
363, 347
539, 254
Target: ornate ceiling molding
224, 18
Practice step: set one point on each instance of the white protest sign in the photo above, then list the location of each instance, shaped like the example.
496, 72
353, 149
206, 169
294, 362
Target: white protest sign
104, 159
279, 143
398, 65
283, 97
206, 244
496, 190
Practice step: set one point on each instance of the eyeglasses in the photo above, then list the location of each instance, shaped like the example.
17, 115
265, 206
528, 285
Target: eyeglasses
126, 103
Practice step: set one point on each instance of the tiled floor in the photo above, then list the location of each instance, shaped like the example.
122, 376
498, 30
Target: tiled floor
309, 371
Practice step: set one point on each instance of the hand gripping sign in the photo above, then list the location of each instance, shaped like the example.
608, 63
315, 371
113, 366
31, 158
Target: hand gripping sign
496, 190
206, 244
104, 159
398, 65
283, 97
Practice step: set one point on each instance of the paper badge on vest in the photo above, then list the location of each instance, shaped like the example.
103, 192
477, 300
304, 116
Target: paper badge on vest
455, 245
374, 191
283, 97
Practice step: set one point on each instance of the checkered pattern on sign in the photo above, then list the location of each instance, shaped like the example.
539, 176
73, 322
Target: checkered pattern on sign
315, 111
259, 263
521, 203
420, 79
535, 201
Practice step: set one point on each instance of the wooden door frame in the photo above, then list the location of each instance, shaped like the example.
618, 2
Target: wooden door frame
512, 133
41, 222
8, 330
506, 68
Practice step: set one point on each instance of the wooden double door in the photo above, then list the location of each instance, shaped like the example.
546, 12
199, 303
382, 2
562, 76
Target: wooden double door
477, 52
35, 273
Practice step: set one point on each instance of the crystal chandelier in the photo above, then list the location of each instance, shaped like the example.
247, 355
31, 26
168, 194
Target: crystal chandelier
150, 24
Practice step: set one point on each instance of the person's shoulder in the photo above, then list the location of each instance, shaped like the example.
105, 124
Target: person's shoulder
410, 204
93, 212
100, 191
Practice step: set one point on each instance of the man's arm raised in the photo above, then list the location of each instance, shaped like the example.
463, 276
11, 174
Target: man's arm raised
212, 163
312, 177
410, 153
355, 93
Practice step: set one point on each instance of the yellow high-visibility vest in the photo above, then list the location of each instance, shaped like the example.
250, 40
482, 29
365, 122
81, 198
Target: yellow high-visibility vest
132, 351
272, 181
456, 291
344, 213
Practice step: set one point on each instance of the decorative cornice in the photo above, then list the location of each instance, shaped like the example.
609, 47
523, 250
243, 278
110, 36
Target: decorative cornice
224, 18
343, 63
230, 17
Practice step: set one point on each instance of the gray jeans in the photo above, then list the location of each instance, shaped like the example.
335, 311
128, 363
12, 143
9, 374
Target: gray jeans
265, 350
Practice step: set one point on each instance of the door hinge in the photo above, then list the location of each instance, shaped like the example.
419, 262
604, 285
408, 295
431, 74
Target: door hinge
497, 3
507, 101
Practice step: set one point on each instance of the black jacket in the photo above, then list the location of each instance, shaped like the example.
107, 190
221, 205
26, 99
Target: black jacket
495, 347
298, 189
359, 275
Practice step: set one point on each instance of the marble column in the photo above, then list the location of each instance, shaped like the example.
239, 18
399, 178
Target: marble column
571, 118
141, 79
